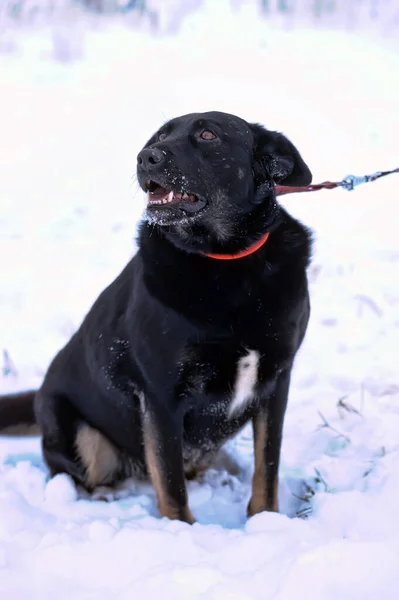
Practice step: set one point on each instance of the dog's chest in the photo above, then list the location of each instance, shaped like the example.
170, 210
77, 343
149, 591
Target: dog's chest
245, 382
222, 381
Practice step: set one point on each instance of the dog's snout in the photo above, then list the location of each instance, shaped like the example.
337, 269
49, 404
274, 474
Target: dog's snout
149, 157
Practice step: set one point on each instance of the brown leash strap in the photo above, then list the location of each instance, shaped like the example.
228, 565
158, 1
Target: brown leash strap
349, 183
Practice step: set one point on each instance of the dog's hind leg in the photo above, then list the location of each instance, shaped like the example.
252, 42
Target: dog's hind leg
59, 421
72, 446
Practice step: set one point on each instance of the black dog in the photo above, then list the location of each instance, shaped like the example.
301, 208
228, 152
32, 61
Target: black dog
199, 332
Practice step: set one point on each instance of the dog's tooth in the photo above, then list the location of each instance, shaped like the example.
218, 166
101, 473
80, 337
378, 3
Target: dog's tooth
185, 196
170, 197
165, 200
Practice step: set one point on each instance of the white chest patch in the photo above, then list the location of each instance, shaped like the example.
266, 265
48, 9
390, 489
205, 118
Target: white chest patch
247, 375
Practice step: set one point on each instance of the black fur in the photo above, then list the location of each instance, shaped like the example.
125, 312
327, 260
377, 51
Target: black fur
159, 348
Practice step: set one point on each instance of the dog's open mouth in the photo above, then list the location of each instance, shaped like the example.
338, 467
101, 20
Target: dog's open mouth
159, 196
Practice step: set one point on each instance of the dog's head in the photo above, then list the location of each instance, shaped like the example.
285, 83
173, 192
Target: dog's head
211, 169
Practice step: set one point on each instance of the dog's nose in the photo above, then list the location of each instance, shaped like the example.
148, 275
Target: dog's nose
150, 157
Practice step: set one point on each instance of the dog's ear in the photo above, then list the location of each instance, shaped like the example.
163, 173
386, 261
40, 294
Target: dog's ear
276, 158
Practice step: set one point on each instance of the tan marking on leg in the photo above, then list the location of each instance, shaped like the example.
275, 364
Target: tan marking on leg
167, 507
195, 472
275, 505
99, 456
259, 501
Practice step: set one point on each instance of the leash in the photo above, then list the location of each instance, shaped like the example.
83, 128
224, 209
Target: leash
349, 183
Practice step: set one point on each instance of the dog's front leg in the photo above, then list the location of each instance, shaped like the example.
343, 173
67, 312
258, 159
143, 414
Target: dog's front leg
268, 429
162, 431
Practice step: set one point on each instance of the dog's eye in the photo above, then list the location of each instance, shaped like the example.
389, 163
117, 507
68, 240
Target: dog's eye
207, 134
161, 137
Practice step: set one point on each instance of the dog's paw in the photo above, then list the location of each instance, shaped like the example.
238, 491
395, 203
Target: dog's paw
105, 493
108, 494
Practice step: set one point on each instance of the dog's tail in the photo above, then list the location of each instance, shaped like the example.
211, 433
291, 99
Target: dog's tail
17, 409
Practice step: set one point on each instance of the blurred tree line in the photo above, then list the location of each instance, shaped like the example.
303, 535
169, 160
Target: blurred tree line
347, 13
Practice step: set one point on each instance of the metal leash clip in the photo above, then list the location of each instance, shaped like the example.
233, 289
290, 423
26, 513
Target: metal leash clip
351, 181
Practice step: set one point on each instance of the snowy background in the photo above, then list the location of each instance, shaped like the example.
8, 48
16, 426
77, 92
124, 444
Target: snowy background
80, 92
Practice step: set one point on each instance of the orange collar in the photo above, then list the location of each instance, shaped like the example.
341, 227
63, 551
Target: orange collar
243, 253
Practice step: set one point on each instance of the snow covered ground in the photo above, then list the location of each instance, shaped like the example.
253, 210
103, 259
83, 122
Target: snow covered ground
69, 207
